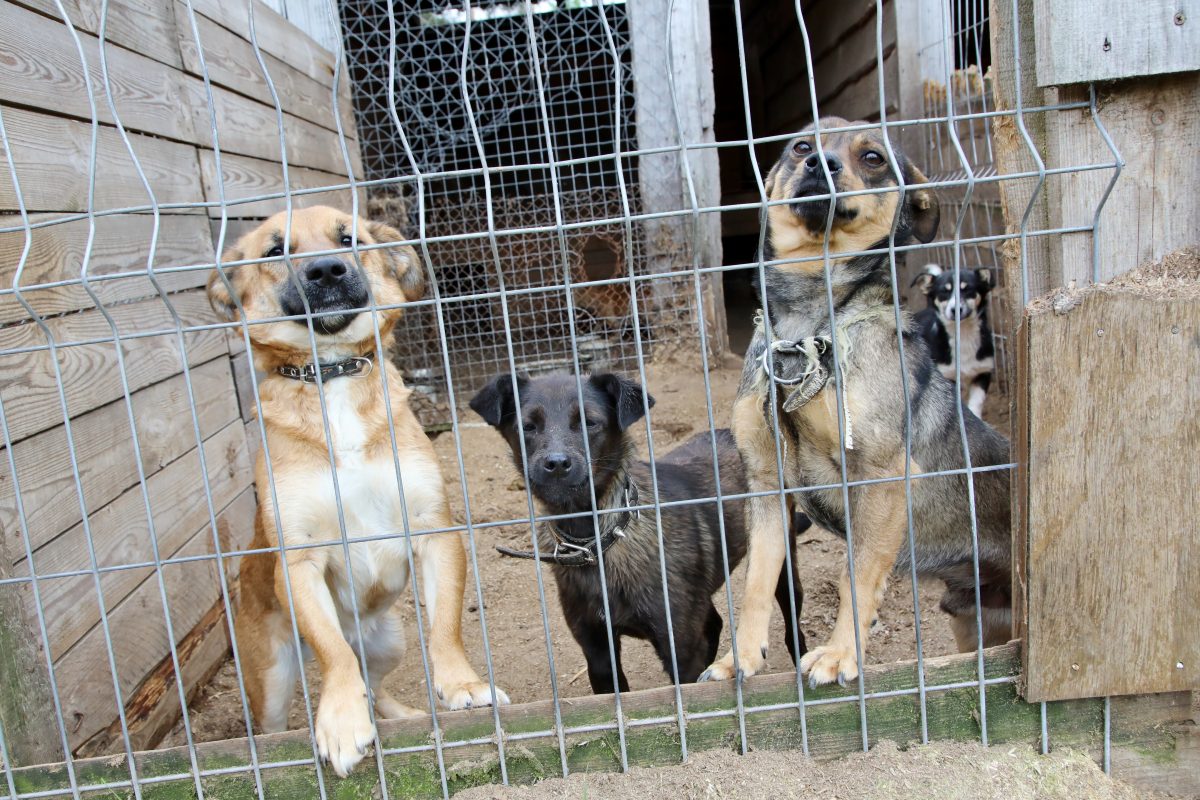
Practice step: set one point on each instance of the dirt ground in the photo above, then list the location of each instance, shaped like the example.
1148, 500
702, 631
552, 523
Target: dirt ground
941, 771
510, 597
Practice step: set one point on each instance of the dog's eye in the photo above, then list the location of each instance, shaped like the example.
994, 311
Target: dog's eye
346, 240
529, 427
277, 250
802, 148
873, 159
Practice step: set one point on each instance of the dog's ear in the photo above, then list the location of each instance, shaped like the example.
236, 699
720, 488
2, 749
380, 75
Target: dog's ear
925, 277
218, 289
923, 211
495, 402
405, 263
626, 396
987, 281
772, 178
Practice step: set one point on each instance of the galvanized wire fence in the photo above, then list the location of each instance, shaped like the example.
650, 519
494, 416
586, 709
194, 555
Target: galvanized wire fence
502, 141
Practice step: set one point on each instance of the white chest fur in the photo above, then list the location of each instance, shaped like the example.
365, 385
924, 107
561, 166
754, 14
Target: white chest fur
964, 348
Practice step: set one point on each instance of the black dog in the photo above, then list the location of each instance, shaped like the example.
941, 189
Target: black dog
549, 421
936, 325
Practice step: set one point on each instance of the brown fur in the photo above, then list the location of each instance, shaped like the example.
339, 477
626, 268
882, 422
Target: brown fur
303, 505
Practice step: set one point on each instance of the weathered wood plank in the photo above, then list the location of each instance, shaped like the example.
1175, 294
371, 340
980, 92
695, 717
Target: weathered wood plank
139, 635
1107, 508
275, 35
104, 450
89, 371
250, 177
121, 244
249, 128
147, 93
121, 536
232, 63
52, 156
143, 26
833, 730
1081, 41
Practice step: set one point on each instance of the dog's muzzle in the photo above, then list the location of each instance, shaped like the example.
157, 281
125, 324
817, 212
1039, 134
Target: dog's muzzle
330, 285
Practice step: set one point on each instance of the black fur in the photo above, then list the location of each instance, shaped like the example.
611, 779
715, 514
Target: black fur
549, 422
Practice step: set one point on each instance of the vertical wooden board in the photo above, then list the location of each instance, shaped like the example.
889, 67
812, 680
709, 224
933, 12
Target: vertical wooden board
52, 156
139, 632
1155, 125
1113, 525
90, 371
148, 95
251, 177
121, 243
249, 128
178, 497
1081, 41
232, 63
104, 451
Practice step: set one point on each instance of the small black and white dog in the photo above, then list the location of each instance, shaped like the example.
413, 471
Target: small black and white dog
558, 474
936, 325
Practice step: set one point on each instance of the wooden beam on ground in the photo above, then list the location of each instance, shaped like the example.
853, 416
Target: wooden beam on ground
1108, 527
1145, 725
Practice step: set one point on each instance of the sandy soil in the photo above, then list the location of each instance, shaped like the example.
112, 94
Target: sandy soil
511, 606
941, 771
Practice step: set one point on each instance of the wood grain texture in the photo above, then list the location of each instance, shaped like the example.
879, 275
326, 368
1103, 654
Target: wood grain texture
52, 156
143, 26
121, 244
139, 633
147, 93
1107, 497
89, 371
1081, 41
250, 128
232, 63
120, 534
104, 451
249, 177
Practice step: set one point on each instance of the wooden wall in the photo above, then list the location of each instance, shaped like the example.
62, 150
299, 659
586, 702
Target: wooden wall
156, 83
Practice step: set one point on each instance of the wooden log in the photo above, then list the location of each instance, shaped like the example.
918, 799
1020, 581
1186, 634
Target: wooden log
90, 374
249, 177
143, 26
52, 154
833, 730
120, 534
1108, 528
147, 93
153, 707
138, 628
121, 244
104, 451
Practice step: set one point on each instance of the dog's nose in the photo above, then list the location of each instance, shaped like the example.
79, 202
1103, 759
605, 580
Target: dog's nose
557, 463
813, 163
325, 271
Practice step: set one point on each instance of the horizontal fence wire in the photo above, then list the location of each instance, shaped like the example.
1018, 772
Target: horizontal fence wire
555, 169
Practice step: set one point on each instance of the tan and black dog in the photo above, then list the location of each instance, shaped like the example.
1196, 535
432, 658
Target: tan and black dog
376, 490
874, 424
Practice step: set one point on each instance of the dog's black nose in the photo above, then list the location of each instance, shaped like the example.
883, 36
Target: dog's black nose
813, 163
557, 463
325, 271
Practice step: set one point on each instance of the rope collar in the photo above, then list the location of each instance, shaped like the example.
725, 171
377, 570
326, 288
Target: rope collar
357, 367
571, 552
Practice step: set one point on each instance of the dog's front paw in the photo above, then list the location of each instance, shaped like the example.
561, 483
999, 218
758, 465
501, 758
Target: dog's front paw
749, 663
829, 663
344, 729
470, 694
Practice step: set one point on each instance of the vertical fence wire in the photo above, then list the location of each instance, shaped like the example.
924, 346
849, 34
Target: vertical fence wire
545, 158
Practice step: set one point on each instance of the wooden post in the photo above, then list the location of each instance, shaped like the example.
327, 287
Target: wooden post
669, 242
26, 706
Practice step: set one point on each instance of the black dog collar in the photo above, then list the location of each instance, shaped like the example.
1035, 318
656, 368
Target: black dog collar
569, 552
359, 366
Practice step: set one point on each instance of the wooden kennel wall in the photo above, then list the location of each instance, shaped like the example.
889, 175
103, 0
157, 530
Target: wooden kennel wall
160, 95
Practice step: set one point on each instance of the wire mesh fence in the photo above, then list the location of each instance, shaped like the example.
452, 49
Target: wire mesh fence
549, 172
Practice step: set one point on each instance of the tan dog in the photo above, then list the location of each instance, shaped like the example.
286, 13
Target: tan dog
304, 506
874, 422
